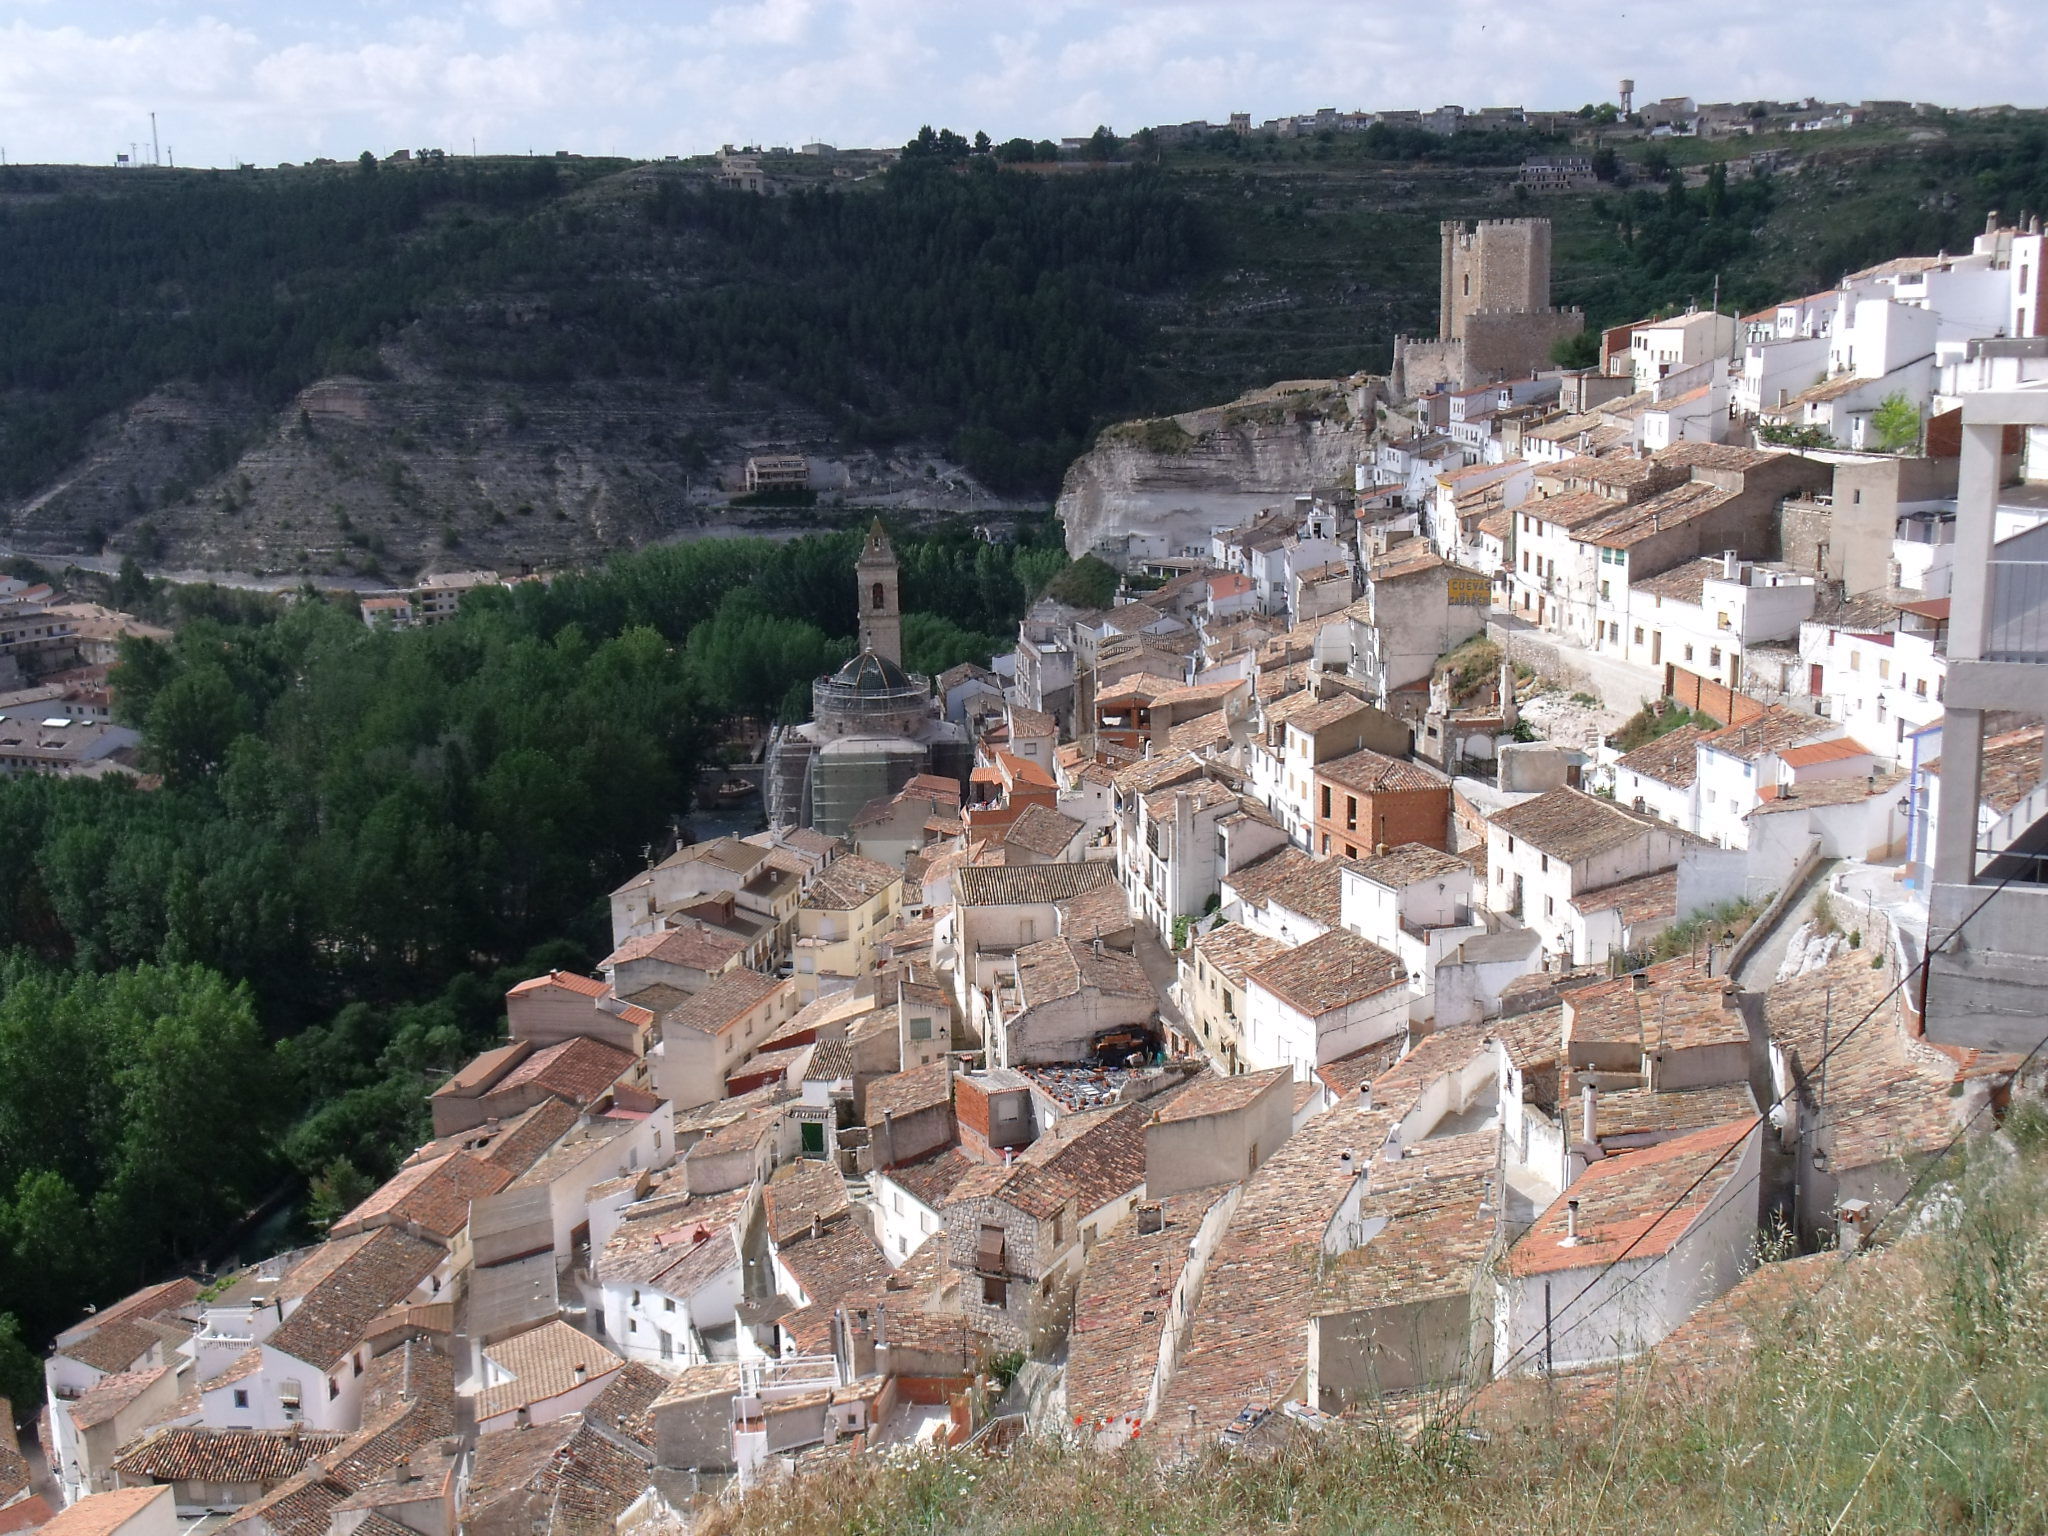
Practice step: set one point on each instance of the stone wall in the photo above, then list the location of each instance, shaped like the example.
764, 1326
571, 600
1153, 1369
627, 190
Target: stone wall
1494, 264
1513, 344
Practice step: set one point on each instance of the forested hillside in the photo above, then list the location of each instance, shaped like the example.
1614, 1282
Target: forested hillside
540, 360
249, 979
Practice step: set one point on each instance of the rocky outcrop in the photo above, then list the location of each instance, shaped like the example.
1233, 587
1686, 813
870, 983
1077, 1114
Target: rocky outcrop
1175, 478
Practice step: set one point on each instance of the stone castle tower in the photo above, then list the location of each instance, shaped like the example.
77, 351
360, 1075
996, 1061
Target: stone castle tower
881, 604
1501, 264
1496, 322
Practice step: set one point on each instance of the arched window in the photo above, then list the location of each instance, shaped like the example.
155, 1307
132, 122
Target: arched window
878, 596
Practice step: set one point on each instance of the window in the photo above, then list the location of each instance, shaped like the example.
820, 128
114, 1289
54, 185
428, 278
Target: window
632, 1326
1351, 813
359, 1365
1714, 657
1606, 592
1511, 842
1720, 621
668, 1303
1543, 860
920, 1029
1029, 928
877, 601
1688, 653
1550, 906
241, 1397
1639, 634
1326, 801
668, 1345
994, 1292
1326, 842
1920, 686
333, 1389
1855, 661
1884, 668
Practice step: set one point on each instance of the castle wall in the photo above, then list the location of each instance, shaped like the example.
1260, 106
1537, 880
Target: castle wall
1494, 264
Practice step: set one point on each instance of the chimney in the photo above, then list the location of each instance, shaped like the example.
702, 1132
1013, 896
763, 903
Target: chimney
1571, 1224
582, 1373
401, 1470
1731, 566
1150, 1218
1852, 1223
1588, 1099
817, 1231
1991, 221
1365, 1095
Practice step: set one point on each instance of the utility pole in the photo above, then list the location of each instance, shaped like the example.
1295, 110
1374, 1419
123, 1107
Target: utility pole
155, 155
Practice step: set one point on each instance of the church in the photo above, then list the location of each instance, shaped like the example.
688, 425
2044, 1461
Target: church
873, 726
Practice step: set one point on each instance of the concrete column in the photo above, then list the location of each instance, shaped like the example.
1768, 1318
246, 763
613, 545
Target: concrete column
1962, 735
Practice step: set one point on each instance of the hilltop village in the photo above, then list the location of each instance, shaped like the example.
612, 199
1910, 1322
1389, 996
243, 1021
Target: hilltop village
1467, 923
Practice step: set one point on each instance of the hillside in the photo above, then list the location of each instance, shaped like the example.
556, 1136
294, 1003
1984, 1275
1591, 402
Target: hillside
1900, 1391
342, 369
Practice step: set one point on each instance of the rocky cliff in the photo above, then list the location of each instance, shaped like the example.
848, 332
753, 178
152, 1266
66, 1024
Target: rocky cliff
1175, 478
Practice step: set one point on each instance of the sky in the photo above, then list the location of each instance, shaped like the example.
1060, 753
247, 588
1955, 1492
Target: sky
270, 81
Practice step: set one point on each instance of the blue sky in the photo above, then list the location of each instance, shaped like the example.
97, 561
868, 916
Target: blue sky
290, 79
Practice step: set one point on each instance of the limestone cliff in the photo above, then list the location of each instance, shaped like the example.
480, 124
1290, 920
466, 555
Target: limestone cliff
1177, 477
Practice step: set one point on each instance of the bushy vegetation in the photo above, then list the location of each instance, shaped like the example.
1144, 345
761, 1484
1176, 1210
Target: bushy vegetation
1655, 720
248, 979
1903, 1395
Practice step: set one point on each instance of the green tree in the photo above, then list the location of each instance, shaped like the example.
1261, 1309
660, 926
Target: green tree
1579, 350
1897, 423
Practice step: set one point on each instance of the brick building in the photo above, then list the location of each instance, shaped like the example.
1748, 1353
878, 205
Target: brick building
1369, 800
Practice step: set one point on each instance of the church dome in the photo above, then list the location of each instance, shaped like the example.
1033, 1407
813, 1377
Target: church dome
869, 673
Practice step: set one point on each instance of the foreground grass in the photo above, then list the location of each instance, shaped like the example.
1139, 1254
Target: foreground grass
1909, 1394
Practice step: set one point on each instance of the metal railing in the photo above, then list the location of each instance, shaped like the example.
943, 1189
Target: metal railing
2018, 619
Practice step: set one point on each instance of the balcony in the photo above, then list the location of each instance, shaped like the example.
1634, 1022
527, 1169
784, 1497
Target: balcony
2017, 623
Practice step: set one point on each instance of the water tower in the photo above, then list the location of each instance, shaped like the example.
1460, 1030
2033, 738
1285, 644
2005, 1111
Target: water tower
1628, 97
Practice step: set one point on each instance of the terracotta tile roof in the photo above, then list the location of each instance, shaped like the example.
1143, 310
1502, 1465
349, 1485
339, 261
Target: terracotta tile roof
1531, 1039
152, 1301
1375, 772
1571, 825
931, 1180
1889, 1095
1774, 799
993, 885
722, 1004
1042, 830
112, 1347
361, 1276
1640, 1112
110, 1395
1121, 1307
567, 981
1330, 972
1841, 749
1235, 949
1154, 773
1292, 879
808, 1189
1204, 794
906, 1093
1670, 759
225, 1455
850, 882
840, 1259
1641, 900
1100, 913
690, 945
1570, 512
1438, 1228
244, 1365
1410, 863
434, 1196
100, 1514
543, 1362
1344, 1076
1059, 968
1772, 731
675, 1245
1630, 525
1630, 1203
1685, 583
1209, 1095
578, 1069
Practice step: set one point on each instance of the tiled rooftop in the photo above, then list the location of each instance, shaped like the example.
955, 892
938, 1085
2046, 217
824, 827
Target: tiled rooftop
1292, 879
1235, 949
1641, 900
1219, 1095
1670, 759
544, 1363
991, 885
1410, 863
850, 882
1776, 728
578, 1069
905, 1093
1571, 825
1330, 972
360, 1277
1053, 969
1375, 772
433, 1196
1635, 1204
723, 1003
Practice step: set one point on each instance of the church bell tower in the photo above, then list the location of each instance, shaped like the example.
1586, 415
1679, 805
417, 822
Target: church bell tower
881, 611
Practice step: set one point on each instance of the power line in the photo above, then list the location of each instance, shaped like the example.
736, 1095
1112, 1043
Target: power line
1762, 1119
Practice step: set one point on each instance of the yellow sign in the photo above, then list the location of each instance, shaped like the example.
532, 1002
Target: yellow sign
1470, 591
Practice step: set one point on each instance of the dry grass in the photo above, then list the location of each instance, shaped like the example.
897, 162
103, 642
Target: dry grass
1910, 1395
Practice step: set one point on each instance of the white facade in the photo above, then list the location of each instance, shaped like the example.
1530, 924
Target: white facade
1278, 1034
1880, 688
